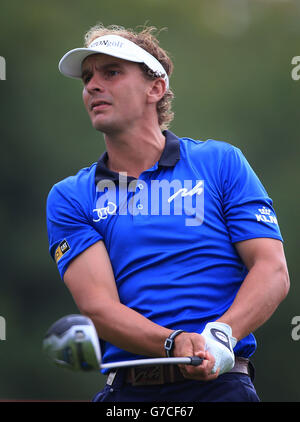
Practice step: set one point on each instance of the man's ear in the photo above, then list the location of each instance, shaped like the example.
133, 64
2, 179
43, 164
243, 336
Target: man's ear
157, 90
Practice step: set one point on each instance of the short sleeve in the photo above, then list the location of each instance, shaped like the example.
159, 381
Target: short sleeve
69, 228
248, 209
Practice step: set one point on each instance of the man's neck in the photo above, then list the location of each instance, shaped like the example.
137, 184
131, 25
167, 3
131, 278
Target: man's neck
134, 153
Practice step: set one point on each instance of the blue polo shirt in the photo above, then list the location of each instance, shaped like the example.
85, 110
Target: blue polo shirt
170, 234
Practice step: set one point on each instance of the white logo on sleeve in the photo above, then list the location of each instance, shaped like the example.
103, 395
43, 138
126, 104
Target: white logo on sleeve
265, 216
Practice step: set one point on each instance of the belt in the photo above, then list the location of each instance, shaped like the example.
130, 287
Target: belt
162, 374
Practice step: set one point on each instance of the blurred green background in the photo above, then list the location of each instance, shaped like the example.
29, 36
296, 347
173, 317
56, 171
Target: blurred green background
232, 82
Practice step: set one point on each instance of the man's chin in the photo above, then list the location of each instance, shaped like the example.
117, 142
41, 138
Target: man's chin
105, 127
101, 126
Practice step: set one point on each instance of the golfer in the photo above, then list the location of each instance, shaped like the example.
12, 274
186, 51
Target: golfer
170, 245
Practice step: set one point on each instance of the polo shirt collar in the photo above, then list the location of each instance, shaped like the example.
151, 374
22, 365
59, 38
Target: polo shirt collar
170, 156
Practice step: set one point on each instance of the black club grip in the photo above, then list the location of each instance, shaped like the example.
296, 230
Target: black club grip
196, 361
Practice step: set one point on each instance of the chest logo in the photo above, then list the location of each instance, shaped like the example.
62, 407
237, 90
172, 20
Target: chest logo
198, 189
102, 213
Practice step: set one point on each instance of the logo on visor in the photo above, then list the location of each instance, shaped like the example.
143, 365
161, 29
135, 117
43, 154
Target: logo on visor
107, 43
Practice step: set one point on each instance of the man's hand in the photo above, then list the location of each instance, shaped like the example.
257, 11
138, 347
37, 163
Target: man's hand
193, 344
215, 345
220, 343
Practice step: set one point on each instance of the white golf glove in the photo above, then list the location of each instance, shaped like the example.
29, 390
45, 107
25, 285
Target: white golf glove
220, 343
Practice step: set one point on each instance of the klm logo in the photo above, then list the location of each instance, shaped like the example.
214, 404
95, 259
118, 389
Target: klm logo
265, 216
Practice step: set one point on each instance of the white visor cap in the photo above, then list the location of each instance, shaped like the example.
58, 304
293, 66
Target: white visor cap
112, 45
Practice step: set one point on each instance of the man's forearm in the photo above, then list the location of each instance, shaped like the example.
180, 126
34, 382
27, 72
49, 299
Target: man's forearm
129, 330
261, 292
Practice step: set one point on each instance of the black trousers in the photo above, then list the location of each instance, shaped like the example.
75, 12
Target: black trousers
229, 387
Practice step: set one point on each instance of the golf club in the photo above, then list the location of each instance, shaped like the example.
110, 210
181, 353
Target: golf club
72, 342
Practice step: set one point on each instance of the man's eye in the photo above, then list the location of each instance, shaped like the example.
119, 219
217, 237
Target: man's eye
112, 73
86, 79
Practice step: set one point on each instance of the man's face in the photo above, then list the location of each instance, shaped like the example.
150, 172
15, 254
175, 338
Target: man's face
114, 93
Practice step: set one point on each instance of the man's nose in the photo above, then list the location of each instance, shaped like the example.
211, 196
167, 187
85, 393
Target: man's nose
95, 84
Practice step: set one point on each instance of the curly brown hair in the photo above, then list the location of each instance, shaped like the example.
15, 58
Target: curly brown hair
149, 42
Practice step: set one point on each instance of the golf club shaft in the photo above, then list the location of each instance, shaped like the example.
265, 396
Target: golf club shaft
193, 360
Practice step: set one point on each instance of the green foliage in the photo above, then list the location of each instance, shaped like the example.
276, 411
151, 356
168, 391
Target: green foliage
232, 82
